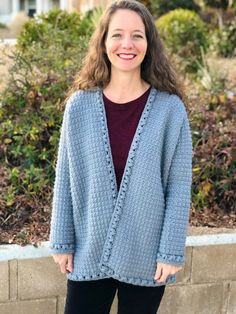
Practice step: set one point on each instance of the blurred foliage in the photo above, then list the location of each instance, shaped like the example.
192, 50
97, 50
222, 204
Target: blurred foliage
184, 33
220, 4
213, 122
56, 22
2, 25
161, 7
211, 80
214, 160
223, 41
48, 53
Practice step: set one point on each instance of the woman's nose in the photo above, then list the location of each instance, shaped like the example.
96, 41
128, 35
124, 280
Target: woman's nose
127, 42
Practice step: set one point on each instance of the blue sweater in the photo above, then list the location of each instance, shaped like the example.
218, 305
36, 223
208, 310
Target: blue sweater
122, 234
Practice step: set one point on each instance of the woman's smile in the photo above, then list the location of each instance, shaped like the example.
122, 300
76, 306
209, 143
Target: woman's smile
126, 56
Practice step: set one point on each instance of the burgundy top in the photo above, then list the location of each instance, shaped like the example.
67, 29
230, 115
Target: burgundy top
122, 121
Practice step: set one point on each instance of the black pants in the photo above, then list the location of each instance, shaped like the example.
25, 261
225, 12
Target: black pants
96, 297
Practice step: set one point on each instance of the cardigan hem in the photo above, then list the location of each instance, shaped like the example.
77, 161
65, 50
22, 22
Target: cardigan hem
170, 259
130, 280
62, 248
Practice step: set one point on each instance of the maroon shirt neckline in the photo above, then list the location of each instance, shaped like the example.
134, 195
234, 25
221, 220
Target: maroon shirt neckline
122, 122
123, 106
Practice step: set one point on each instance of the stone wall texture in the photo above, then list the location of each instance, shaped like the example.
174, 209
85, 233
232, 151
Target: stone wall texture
206, 285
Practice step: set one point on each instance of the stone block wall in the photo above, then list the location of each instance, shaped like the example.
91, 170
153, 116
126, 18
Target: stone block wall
206, 285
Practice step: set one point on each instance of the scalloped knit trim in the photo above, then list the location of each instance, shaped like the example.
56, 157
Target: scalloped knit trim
109, 273
62, 246
170, 258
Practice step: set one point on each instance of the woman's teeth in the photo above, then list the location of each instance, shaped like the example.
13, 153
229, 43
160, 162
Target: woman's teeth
127, 57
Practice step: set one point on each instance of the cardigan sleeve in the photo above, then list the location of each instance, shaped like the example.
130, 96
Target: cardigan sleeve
62, 227
177, 201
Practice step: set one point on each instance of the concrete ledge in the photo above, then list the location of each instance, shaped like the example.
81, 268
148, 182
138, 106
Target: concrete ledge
14, 251
212, 239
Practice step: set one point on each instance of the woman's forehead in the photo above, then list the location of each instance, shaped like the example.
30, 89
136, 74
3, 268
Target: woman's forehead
123, 19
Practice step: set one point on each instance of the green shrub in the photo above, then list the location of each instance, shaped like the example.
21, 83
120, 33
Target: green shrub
184, 33
223, 41
160, 7
55, 21
48, 53
210, 79
214, 162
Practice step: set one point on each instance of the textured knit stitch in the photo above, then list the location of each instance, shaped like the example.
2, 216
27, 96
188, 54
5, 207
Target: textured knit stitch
122, 234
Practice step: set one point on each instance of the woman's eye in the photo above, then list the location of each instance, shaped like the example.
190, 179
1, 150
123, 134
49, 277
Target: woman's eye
116, 35
138, 36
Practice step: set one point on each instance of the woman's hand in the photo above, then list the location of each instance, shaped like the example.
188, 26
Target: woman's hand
164, 270
65, 262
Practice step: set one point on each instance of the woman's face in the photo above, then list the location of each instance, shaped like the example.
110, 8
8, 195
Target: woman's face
126, 42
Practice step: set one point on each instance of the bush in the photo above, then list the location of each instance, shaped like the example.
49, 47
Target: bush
223, 42
49, 52
214, 162
220, 4
184, 33
55, 21
160, 7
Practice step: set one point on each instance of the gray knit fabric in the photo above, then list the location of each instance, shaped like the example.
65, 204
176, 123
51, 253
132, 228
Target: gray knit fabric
122, 235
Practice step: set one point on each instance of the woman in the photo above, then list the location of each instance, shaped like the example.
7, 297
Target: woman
123, 176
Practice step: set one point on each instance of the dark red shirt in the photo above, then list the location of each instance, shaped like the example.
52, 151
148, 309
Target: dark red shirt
122, 121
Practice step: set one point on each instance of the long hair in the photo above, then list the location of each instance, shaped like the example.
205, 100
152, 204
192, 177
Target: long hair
156, 68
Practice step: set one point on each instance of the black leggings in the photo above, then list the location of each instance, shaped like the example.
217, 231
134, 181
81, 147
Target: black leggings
96, 297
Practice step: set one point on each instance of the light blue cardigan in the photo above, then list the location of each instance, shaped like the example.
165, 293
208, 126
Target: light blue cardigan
122, 235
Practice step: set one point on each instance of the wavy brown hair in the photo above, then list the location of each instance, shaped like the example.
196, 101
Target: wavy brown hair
156, 68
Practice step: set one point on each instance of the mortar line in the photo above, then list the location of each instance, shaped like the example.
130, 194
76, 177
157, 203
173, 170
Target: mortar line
17, 293
191, 265
227, 296
57, 305
9, 280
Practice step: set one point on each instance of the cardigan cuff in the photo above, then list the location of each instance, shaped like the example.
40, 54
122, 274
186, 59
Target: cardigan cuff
170, 259
61, 248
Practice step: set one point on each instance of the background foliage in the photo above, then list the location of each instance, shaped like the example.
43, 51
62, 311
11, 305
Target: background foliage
184, 33
161, 7
49, 52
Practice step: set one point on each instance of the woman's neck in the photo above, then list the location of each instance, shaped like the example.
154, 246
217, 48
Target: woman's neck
123, 88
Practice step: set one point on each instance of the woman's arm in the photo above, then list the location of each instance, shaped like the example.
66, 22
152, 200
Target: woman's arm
178, 196
62, 226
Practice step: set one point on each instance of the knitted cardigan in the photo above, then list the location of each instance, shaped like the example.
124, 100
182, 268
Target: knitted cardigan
122, 234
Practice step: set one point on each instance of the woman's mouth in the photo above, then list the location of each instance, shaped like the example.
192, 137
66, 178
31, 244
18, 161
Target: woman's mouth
127, 56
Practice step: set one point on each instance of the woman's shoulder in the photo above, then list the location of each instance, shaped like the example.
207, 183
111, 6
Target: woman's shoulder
79, 98
172, 103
